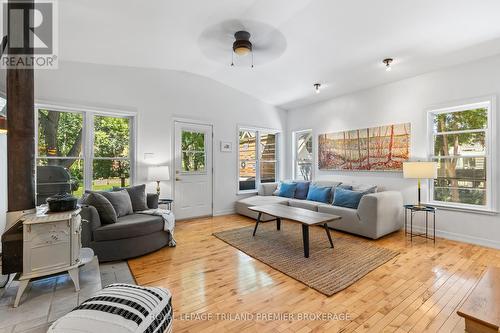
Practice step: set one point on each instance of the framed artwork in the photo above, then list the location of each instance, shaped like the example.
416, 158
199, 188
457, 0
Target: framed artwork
382, 148
226, 146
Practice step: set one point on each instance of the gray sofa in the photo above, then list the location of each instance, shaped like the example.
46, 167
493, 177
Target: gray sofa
378, 214
131, 236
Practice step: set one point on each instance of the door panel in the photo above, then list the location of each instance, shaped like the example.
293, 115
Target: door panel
193, 170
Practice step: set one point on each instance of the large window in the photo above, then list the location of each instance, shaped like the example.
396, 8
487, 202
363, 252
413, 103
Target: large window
82, 150
460, 145
303, 155
258, 158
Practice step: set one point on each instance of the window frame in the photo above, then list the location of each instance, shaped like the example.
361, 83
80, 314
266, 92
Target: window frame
258, 131
88, 138
295, 134
488, 103
206, 139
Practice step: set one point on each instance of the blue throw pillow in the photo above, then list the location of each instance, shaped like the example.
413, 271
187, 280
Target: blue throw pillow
287, 190
347, 198
302, 190
319, 194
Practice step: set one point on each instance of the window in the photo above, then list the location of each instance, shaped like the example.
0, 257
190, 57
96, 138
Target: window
303, 156
193, 151
111, 158
460, 141
67, 163
258, 158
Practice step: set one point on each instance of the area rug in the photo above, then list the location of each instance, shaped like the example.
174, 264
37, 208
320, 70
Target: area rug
326, 270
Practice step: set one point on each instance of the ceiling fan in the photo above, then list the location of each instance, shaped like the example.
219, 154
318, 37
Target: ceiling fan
242, 38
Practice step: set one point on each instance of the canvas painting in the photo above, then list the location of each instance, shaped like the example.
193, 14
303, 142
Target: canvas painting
382, 148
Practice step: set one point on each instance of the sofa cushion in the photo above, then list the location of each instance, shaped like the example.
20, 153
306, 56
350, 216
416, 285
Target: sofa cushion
287, 190
267, 188
319, 194
258, 200
120, 201
367, 188
306, 204
137, 196
129, 226
107, 213
302, 190
347, 198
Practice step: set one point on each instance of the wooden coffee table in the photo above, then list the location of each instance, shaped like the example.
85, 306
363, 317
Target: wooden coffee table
300, 215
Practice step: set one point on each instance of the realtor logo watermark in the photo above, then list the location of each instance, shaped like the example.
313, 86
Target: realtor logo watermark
31, 32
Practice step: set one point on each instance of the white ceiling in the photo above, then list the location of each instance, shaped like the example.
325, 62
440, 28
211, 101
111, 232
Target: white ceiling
340, 43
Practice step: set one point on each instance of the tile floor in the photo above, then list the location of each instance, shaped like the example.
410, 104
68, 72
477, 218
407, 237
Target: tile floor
48, 299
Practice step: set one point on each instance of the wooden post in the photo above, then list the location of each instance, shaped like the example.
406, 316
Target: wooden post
21, 136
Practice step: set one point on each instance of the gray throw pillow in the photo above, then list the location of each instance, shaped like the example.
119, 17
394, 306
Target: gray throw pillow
137, 196
107, 213
121, 202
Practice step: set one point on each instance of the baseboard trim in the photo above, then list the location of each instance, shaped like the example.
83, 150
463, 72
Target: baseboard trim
224, 212
462, 238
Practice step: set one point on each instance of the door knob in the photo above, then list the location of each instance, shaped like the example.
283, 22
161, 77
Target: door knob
177, 178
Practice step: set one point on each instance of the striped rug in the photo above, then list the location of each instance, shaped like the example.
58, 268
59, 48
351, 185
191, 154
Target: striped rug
326, 270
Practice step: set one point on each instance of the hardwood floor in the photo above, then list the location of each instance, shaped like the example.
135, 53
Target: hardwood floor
418, 291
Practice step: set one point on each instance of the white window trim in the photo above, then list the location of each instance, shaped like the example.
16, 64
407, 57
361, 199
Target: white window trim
294, 151
488, 102
259, 131
88, 137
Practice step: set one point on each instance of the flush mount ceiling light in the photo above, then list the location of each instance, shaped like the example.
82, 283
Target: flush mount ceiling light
388, 63
242, 45
317, 87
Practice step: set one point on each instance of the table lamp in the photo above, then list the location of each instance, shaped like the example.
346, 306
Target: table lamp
158, 174
420, 170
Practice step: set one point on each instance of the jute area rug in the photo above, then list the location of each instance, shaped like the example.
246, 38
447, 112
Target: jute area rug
326, 270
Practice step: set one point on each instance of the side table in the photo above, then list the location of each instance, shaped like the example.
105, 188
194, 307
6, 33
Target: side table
167, 202
412, 209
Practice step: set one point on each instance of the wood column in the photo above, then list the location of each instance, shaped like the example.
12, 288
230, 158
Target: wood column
21, 137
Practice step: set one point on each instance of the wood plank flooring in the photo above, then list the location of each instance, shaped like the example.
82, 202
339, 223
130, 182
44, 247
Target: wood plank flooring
216, 287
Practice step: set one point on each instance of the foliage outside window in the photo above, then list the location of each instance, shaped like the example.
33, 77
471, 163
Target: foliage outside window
303, 158
258, 163
61, 145
460, 147
111, 163
193, 151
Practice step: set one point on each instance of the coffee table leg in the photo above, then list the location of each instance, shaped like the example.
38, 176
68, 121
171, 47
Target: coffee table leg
257, 223
328, 234
278, 223
305, 239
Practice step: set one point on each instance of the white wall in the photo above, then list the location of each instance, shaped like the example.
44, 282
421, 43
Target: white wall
407, 101
158, 96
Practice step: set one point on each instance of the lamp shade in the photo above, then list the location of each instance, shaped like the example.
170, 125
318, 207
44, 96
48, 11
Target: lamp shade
158, 173
420, 170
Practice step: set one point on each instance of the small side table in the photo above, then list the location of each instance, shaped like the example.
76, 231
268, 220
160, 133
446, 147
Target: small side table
167, 202
412, 209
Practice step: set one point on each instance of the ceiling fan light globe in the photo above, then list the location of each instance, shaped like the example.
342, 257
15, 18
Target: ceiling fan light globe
242, 51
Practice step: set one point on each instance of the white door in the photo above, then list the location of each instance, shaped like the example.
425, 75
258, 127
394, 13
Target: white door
193, 170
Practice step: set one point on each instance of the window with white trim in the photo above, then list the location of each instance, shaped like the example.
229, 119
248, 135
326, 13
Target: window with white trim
460, 144
82, 150
302, 155
258, 160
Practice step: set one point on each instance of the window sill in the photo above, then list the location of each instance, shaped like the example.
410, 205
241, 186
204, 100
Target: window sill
484, 211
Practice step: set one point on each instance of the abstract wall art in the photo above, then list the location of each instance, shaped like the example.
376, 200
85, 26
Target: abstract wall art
382, 148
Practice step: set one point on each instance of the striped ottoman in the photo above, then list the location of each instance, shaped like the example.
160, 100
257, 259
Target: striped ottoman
120, 308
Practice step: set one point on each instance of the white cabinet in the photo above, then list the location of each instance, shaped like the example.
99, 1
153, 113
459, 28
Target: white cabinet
51, 244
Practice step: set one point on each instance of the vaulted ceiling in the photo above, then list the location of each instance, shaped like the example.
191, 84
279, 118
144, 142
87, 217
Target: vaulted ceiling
339, 43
